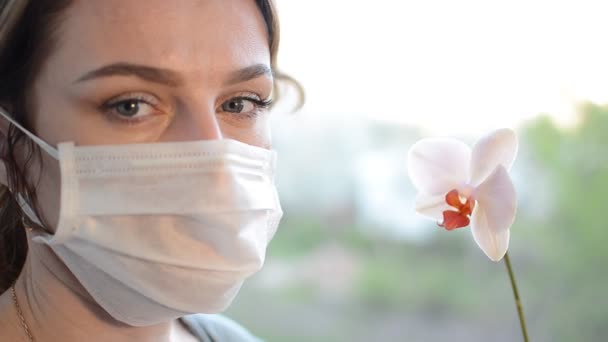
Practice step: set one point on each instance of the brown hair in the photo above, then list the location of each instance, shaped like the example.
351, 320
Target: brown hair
26, 38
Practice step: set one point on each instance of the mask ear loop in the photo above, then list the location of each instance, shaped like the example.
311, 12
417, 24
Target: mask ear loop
43, 144
28, 223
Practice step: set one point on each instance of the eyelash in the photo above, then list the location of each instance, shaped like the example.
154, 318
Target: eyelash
260, 105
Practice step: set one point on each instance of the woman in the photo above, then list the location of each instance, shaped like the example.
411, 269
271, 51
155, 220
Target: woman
138, 180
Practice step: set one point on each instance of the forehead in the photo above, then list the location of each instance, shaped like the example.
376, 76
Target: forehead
194, 36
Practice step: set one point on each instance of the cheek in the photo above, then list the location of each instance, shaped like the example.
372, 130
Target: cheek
256, 133
52, 121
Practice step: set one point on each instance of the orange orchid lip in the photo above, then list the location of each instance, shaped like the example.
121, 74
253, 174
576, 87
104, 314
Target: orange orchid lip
459, 218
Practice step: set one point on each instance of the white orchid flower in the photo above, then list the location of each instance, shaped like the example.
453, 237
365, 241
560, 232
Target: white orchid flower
457, 186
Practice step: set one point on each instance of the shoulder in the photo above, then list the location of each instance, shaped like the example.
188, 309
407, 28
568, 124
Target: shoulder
218, 328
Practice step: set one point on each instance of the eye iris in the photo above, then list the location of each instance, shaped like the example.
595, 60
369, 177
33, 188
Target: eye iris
234, 106
128, 108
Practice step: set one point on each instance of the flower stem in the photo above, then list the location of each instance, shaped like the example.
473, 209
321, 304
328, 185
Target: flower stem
520, 310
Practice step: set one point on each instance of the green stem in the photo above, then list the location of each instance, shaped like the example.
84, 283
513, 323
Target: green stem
520, 310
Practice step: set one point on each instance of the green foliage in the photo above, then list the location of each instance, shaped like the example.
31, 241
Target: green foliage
298, 235
576, 161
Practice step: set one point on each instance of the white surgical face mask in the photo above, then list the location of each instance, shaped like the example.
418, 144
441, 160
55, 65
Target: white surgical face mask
157, 231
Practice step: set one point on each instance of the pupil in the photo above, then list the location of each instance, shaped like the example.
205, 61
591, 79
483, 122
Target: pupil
128, 108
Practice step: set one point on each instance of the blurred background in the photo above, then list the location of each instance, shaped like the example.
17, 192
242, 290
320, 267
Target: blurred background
351, 260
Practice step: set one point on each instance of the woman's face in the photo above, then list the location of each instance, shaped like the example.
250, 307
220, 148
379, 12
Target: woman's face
130, 71
127, 71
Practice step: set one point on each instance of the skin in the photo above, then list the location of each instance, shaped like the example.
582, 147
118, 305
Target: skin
205, 45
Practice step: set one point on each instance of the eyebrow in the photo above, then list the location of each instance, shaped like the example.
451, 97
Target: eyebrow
156, 75
170, 77
249, 73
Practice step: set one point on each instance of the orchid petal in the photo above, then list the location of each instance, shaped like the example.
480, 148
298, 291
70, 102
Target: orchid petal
438, 165
494, 213
431, 206
497, 148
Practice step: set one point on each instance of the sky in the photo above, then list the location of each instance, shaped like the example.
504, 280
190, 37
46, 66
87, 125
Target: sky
450, 67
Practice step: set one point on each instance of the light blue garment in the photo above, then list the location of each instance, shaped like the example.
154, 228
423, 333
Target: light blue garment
217, 328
